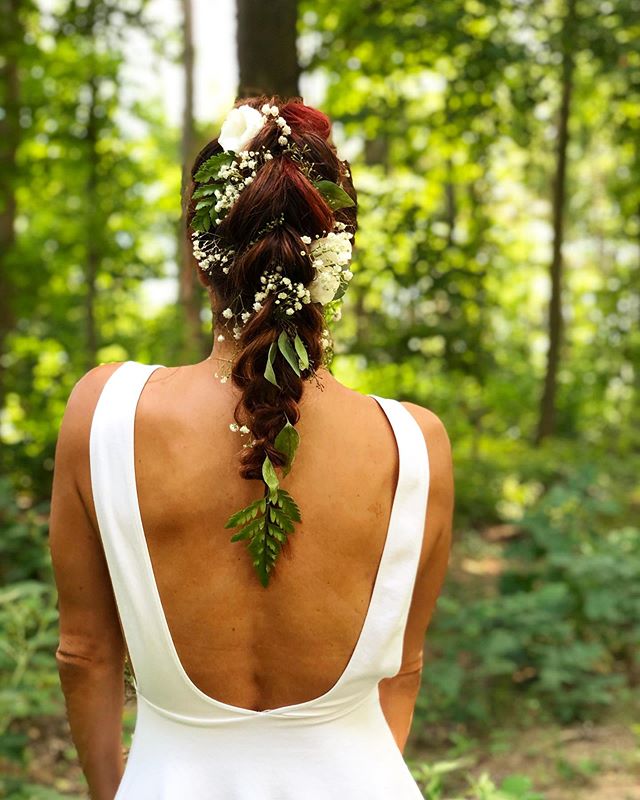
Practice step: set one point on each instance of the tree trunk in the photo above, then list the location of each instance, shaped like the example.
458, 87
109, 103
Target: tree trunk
546, 423
190, 292
267, 47
92, 263
9, 141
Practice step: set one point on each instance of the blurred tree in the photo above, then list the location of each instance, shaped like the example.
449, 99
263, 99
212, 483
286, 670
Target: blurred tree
267, 47
91, 223
546, 424
190, 289
12, 37
450, 108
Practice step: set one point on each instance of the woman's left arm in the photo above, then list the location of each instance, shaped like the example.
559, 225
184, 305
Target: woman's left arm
91, 650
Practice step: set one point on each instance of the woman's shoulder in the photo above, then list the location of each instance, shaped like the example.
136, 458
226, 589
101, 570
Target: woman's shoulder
431, 424
86, 391
83, 398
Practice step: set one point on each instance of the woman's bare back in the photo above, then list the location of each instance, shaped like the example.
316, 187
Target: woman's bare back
240, 642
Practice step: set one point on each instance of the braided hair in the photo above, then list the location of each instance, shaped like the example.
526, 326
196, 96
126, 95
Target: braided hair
269, 226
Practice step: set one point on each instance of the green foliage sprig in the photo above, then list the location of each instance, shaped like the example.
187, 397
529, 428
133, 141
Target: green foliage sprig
267, 522
335, 195
205, 213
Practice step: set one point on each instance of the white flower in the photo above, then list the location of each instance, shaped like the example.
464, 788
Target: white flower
227, 313
323, 287
266, 108
244, 429
234, 427
275, 111
240, 127
335, 249
306, 239
221, 338
282, 140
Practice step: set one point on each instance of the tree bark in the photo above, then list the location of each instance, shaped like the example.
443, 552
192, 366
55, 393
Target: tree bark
190, 293
547, 419
9, 142
92, 263
267, 47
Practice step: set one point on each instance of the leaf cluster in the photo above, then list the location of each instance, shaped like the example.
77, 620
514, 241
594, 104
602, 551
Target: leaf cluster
267, 522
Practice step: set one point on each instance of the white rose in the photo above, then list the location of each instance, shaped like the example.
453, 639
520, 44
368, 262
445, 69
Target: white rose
324, 286
240, 127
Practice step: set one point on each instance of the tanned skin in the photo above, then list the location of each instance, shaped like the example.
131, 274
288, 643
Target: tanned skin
240, 643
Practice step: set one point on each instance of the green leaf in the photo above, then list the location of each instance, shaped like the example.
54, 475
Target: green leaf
203, 191
269, 374
267, 533
287, 350
201, 221
287, 442
211, 167
335, 195
301, 350
245, 514
269, 474
285, 523
289, 505
244, 534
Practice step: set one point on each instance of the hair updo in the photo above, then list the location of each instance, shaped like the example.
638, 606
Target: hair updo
280, 191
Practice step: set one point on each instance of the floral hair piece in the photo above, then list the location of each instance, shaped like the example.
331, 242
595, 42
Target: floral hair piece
220, 180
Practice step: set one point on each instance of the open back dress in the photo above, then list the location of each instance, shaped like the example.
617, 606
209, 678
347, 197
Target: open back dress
189, 746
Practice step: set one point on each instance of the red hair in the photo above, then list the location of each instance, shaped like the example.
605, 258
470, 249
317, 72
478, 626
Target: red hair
280, 191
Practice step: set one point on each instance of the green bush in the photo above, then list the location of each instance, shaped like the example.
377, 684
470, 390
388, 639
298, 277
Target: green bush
559, 636
432, 779
28, 623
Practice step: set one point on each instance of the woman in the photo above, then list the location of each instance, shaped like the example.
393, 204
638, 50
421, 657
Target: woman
251, 531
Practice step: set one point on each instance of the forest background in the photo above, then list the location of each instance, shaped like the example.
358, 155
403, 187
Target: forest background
495, 147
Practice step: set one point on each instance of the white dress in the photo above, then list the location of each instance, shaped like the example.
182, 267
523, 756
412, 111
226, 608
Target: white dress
189, 746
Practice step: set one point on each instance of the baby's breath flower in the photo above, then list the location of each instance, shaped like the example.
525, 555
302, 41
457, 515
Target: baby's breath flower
227, 313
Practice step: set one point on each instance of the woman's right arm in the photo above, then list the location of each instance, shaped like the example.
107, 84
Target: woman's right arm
90, 654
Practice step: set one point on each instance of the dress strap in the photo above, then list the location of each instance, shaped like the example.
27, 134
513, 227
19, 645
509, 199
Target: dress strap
381, 642
113, 483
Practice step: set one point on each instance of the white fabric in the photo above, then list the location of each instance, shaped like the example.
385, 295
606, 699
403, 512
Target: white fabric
189, 745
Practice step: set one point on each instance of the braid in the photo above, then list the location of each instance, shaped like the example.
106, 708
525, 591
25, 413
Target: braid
259, 263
